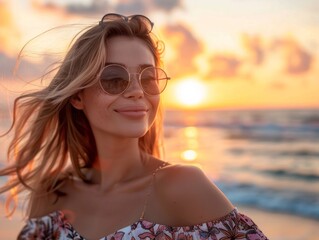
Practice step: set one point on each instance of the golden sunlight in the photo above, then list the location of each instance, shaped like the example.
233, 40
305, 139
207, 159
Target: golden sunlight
189, 155
190, 92
191, 132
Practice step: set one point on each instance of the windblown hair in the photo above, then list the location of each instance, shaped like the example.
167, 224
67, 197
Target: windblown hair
49, 132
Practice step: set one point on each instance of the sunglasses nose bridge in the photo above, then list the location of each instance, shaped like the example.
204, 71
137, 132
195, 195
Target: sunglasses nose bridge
134, 77
135, 81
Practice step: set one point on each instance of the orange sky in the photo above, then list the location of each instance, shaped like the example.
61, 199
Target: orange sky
239, 54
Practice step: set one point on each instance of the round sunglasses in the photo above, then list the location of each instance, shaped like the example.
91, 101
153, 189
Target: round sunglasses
114, 79
148, 24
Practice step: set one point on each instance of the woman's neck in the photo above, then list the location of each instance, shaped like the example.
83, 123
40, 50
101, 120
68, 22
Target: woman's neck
117, 162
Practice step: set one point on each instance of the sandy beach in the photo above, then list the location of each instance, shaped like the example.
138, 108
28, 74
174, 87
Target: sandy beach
280, 226
276, 226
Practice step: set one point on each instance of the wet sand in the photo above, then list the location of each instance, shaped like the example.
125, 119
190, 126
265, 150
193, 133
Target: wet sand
281, 226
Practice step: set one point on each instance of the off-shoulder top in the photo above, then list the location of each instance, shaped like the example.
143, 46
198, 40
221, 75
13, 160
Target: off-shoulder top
234, 225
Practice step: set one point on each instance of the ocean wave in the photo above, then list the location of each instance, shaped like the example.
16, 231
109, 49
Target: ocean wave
294, 175
266, 126
274, 153
294, 202
273, 133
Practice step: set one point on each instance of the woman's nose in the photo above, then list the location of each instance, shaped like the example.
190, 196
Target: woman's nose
134, 89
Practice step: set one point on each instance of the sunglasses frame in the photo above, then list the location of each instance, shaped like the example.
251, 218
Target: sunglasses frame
116, 16
129, 79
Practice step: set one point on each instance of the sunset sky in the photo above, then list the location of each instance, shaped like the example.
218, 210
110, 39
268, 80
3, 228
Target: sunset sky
219, 54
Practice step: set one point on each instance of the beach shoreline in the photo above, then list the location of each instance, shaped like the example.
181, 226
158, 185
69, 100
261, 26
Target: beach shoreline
276, 226
282, 226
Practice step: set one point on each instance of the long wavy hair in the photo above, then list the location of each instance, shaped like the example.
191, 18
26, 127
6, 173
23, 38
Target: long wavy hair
49, 133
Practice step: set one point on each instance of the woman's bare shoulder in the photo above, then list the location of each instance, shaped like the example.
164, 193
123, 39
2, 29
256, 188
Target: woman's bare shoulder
189, 194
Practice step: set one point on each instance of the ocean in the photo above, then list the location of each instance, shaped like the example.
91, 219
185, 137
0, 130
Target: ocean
268, 159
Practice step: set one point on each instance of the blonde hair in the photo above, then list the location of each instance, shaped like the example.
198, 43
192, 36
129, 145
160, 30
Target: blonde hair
49, 132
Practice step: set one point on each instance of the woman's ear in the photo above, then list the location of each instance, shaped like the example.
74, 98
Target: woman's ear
76, 101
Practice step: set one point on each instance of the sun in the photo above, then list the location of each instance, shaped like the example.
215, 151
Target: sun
190, 92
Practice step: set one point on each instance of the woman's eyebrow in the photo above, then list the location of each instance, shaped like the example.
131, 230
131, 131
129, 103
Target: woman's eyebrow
111, 63
141, 66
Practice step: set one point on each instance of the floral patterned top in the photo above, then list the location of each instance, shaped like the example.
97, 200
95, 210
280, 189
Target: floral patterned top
230, 227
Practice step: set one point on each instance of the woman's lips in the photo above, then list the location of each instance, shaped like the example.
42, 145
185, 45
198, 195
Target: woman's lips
132, 112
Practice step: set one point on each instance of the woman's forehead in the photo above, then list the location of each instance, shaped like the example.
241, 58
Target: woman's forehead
129, 52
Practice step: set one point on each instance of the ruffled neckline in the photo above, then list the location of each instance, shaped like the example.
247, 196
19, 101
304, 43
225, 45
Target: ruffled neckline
142, 222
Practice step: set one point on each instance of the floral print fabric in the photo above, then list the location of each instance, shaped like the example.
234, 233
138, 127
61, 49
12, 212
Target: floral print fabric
230, 227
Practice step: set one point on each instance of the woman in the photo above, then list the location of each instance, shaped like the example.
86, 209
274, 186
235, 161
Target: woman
101, 113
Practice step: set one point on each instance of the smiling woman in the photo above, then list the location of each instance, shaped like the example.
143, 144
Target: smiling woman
191, 92
87, 148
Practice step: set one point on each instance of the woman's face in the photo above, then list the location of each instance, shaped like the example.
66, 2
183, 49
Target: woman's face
130, 114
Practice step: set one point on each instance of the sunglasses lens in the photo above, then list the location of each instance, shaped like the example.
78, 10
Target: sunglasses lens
114, 79
111, 17
147, 24
153, 80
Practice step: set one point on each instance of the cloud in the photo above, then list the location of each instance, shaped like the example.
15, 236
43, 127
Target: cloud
284, 55
26, 69
167, 5
131, 6
254, 47
98, 7
9, 34
95, 7
6, 65
224, 66
278, 85
92, 8
45, 6
297, 60
143, 6
186, 48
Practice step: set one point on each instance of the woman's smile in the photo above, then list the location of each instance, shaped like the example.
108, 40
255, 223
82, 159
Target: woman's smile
134, 112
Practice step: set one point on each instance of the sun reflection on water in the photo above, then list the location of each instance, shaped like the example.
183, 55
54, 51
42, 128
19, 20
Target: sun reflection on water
191, 132
189, 155
190, 151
